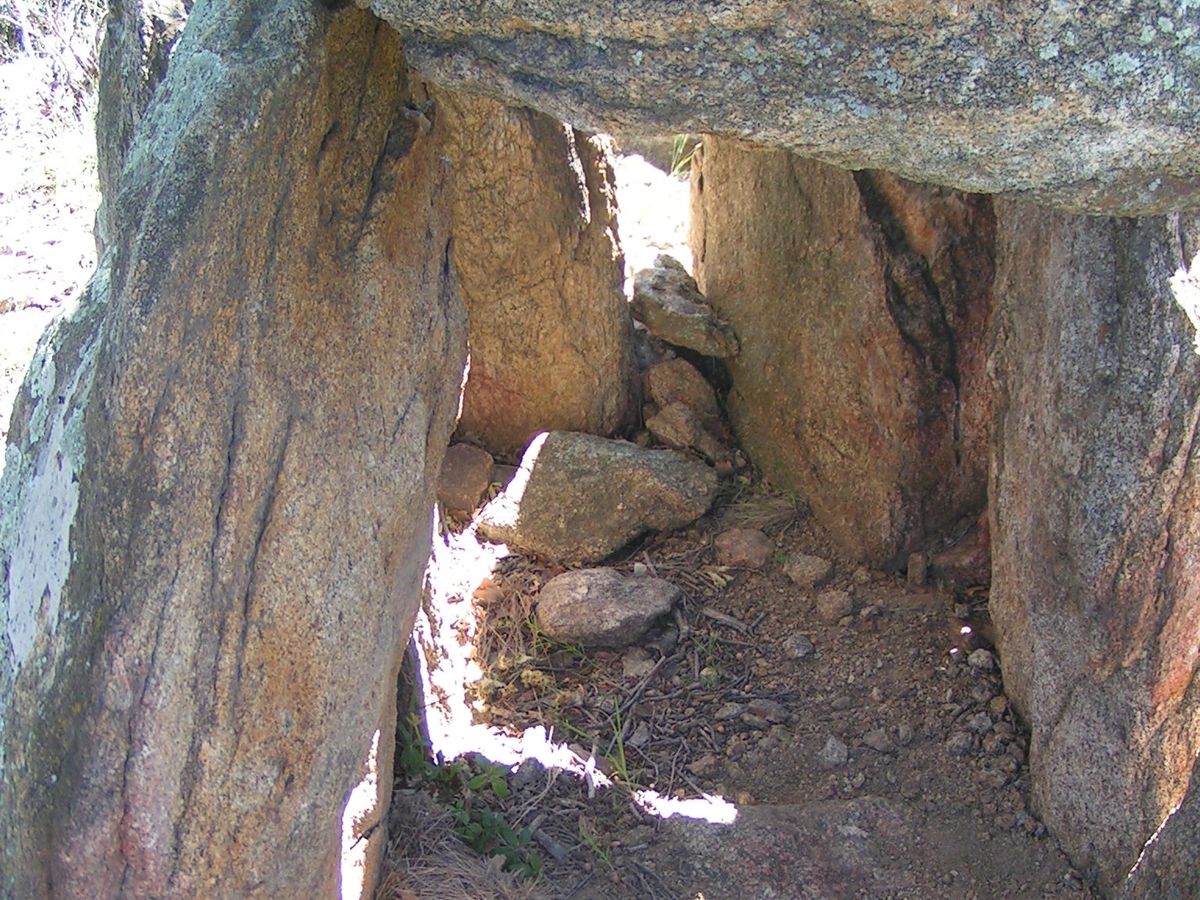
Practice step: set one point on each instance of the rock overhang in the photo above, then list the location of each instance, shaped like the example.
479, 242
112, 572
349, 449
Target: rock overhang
1086, 106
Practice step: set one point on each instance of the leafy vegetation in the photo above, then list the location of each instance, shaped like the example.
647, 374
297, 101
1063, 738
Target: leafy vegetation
467, 787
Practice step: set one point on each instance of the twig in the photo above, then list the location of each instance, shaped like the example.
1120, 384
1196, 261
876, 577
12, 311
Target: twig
724, 619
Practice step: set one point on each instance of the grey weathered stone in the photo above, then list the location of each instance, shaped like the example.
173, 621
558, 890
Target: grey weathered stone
667, 301
602, 607
1095, 518
139, 36
578, 498
1090, 105
218, 474
535, 244
862, 304
806, 571
833, 605
834, 753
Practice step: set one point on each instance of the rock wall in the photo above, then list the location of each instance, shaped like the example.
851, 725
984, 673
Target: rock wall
138, 38
1095, 518
536, 248
217, 492
1087, 104
861, 302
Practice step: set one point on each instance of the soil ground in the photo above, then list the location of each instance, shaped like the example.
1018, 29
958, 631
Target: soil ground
729, 702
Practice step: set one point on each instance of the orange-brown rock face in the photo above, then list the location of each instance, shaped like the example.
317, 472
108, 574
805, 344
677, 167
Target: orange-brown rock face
1095, 522
216, 536
861, 303
540, 266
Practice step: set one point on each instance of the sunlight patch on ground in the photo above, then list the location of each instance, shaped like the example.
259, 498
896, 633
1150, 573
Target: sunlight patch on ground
708, 807
444, 637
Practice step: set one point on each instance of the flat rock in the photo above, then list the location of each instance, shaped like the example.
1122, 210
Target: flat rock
747, 548
1090, 111
577, 498
465, 476
601, 607
667, 301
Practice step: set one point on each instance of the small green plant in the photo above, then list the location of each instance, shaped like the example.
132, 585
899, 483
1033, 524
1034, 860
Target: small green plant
486, 832
604, 854
683, 149
617, 758
464, 786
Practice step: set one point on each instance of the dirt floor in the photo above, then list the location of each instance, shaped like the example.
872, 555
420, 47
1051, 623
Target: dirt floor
874, 756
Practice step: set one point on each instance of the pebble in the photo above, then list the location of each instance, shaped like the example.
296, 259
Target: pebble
998, 704
842, 703
904, 734
640, 736
878, 741
835, 753
743, 547
960, 743
704, 766
807, 572
834, 605
982, 659
797, 646
771, 710
729, 711
980, 723
636, 662
755, 721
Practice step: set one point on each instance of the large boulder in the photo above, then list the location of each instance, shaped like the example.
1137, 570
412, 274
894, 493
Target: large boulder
862, 303
1095, 519
540, 266
1089, 104
578, 498
217, 492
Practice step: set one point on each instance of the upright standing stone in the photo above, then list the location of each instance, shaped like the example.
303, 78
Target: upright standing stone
1095, 513
536, 247
861, 302
139, 36
216, 500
